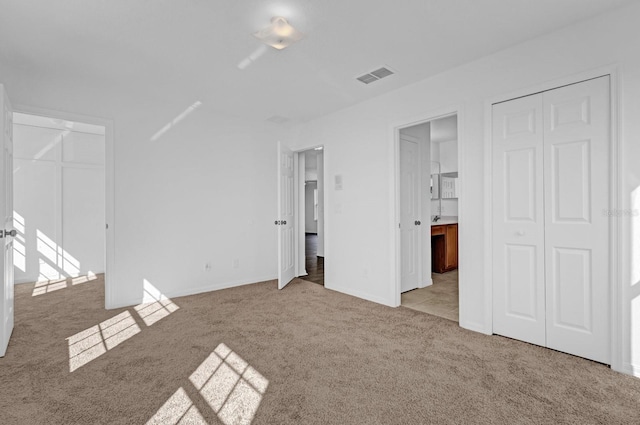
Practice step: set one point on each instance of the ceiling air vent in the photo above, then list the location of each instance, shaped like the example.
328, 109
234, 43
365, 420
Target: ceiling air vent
375, 75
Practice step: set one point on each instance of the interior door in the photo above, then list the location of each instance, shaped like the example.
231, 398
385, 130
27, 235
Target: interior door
576, 162
6, 216
285, 224
518, 220
410, 212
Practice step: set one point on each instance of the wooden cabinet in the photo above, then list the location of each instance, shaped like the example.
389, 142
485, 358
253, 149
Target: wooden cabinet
444, 247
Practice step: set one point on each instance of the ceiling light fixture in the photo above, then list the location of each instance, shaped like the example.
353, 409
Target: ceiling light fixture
279, 34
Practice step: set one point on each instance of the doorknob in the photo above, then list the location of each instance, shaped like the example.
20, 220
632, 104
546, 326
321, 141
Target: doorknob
520, 233
11, 233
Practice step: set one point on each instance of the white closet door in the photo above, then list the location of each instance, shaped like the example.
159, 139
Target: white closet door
518, 220
576, 163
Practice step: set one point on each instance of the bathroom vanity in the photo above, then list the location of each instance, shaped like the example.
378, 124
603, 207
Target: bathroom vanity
444, 246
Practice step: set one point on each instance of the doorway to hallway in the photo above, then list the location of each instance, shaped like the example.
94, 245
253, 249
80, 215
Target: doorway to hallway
314, 264
311, 163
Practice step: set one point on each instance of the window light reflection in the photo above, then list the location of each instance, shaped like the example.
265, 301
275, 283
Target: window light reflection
91, 343
229, 385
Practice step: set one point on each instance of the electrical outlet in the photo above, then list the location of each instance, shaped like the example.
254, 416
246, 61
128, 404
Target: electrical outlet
207, 267
236, 263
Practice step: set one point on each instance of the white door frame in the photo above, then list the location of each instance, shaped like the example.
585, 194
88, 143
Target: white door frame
299, 206
109, 172
617, 250
396, 265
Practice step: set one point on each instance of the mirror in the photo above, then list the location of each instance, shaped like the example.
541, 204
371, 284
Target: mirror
435, 180
435, 186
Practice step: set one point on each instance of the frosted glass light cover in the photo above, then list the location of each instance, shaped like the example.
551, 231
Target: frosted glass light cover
279, 34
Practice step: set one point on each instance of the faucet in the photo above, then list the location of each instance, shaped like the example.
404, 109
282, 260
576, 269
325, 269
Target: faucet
436, 218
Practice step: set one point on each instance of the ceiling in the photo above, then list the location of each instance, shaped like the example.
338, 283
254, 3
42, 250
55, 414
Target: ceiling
203, 50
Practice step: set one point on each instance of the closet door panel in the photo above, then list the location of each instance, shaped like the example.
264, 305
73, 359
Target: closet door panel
518, 220
576, 163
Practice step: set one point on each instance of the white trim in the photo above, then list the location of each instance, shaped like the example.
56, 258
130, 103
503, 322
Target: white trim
361, 295
201, 289
298, 207
629, 369
618, 308
109, 173
394, 158
299, 222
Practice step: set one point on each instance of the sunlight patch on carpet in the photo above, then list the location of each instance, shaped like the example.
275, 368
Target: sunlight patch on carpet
179, 409
45, 286
230, 386
155, 305
82, 279
91, 343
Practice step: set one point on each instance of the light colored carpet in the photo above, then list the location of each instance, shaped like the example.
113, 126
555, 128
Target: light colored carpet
302, 355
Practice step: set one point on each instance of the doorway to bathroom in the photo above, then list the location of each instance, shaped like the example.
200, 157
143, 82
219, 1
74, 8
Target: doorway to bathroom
428, 211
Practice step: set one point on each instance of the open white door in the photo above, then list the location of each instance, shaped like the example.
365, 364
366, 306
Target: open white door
286, 257
410, 235
6, 216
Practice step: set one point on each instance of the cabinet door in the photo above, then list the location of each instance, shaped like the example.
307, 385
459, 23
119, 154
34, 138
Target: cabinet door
452, 247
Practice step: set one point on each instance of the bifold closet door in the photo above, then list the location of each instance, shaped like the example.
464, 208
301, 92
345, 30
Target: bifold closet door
550, 222
576, 169
518, 220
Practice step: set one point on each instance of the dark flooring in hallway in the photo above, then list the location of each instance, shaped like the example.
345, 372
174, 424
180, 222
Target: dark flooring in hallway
313, 263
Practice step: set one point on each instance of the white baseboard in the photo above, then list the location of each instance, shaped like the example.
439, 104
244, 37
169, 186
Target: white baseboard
362, 295
193, 291
630, 369
474, 326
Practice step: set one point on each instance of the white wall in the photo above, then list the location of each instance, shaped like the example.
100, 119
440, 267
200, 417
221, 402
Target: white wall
203, 191
446, 154
59, 195
311, 225
449, 156
321, 200
311, 165
359, 146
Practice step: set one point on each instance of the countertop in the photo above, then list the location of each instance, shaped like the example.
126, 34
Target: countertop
445, 220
